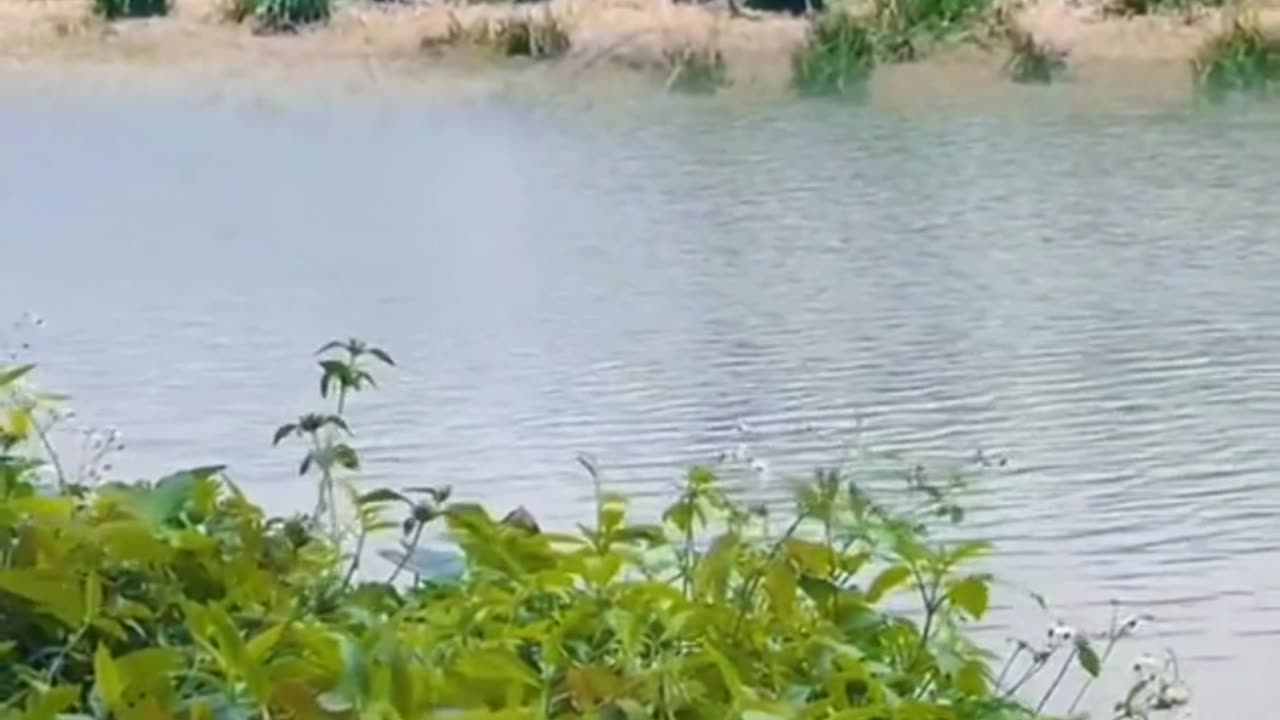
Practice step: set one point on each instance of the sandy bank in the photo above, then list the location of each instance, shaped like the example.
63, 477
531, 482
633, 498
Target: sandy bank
1147, 55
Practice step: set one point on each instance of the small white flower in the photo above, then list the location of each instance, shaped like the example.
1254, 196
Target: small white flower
1062, 633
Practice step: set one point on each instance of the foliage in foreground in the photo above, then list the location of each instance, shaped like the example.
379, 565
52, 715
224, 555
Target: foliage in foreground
1244, 58
1032, 62
838, 57
182, 599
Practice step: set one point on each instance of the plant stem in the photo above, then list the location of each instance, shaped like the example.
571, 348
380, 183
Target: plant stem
1111, 643
413, 545
51, 453
355, 560
1062, 672
56, 666
1008, 665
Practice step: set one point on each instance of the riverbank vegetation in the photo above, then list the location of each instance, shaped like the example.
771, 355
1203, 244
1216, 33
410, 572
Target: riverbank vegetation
182, 598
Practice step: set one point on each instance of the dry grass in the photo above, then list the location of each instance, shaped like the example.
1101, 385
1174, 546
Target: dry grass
654, 35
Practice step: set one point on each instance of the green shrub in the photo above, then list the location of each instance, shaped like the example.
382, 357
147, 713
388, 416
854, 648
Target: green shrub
278, 16
121, 9
183, 599
838, 57
1032, 62
905, 29
1244, 58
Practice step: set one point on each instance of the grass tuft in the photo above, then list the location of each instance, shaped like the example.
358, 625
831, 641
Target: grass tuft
1242, 59
697, 71
837, 59
1032, 62
278, 16
535, 34
123, 9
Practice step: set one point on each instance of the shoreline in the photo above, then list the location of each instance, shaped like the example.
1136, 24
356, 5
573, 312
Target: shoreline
1142, 58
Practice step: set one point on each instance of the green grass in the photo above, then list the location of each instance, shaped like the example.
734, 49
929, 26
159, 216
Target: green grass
123, 9
837, 58
1242, 59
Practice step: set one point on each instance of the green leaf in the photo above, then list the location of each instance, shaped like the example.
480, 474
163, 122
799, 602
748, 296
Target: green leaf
971, 679
972, 595
403, 689
1088, 658
711, 576
164, 502
887, 581
813, 558
149, 666
107, 680
780, 584
48, 704
382, 355
47, 589
283, 432
382, 495
9, 376
92, 596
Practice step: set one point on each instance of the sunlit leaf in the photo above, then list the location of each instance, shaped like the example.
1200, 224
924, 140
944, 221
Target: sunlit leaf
971, 595
50, 703
46, 588
107, 680
92, 596
971, 679
780, 585
711, 577
887, 581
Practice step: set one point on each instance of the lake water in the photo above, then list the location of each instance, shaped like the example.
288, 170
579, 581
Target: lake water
1089, 293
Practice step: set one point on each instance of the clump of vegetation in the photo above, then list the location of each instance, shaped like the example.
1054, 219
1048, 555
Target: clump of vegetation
180, 598
697, 71
122, 9
1031, 61
1151, 7
537, 34
906, 29
1244, 58
278, 16
838, 57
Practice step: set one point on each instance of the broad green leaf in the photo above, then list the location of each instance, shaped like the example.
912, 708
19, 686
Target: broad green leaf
148, 665
887, 581
258, 648
107, 680
47, 589
49, 704
813, 558
711, 576
382, 495
403, 688
780, 584
971, 679
92, 596
1088, 657
971, 595
130, 541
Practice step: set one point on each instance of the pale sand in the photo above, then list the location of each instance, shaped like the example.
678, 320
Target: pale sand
1139, 58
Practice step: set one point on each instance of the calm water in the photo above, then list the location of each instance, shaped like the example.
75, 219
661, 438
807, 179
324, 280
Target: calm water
1091, 294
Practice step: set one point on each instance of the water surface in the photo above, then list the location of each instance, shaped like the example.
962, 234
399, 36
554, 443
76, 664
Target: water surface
1091, 294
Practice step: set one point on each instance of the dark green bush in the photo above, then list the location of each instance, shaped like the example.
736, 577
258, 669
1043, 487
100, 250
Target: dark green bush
122, 9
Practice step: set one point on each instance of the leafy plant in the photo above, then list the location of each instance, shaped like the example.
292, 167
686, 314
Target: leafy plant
1244, 58
180, 598
838, 57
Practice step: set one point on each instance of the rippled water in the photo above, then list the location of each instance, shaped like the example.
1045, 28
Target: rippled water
1091, 294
